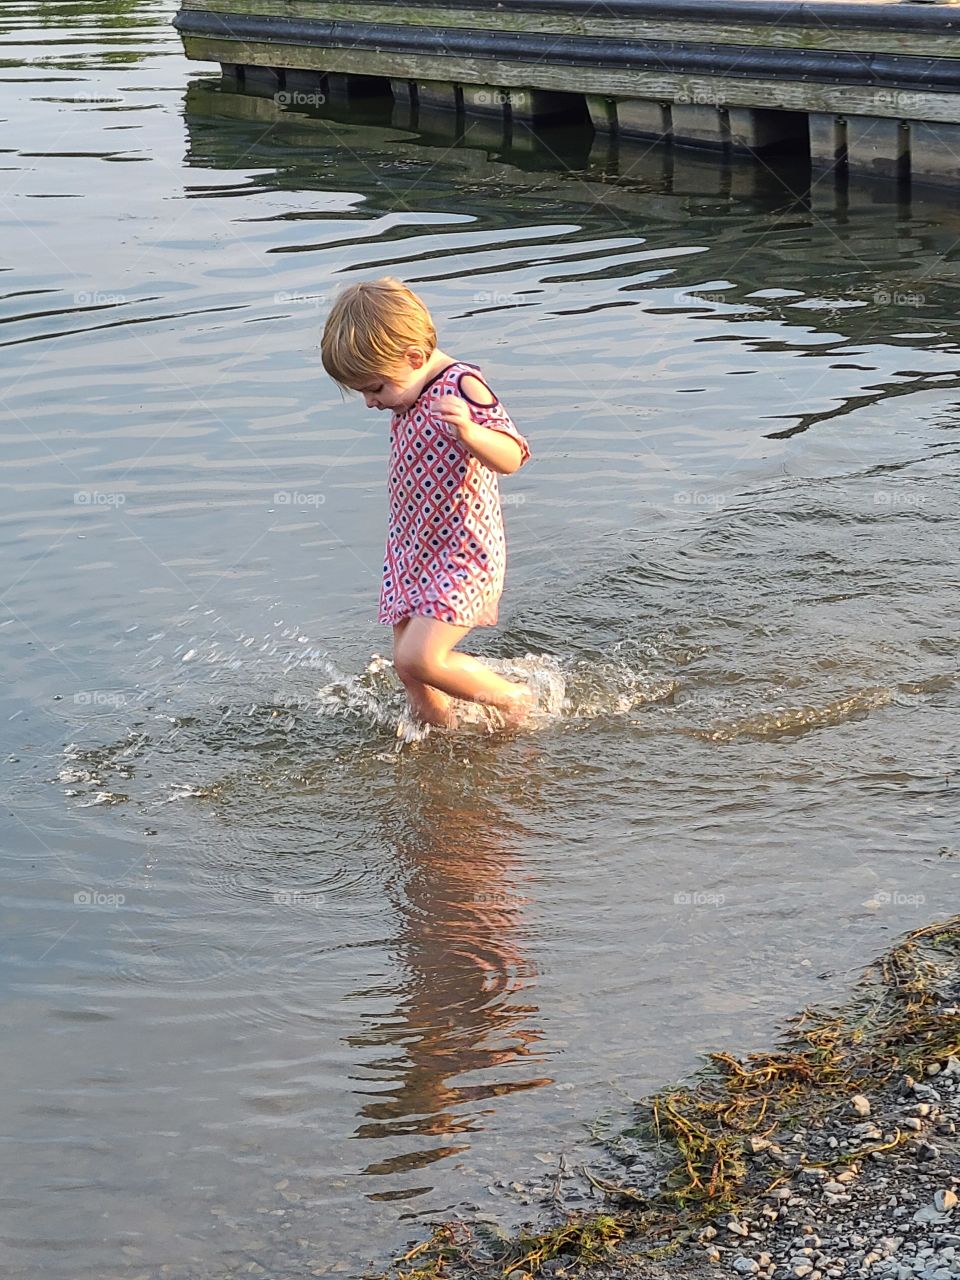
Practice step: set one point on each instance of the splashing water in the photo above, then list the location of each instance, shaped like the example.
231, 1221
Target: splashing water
209, 702
542, 674
225, 715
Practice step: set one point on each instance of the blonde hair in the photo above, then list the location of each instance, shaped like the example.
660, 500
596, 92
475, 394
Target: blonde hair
369, 328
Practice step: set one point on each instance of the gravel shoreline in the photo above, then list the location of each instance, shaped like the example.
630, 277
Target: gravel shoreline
833, 1157
846, 1207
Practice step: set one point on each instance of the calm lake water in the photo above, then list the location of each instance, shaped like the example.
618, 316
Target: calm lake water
274, 991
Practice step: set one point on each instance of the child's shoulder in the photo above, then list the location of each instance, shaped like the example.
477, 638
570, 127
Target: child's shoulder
458, 369
447, 378
472, 385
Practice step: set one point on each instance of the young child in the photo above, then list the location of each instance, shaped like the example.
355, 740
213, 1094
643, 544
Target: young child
449, 438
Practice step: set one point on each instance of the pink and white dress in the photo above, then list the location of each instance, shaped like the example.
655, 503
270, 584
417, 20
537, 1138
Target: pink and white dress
446, 550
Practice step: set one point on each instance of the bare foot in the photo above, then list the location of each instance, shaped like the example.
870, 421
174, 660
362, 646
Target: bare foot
428, 706
521, 704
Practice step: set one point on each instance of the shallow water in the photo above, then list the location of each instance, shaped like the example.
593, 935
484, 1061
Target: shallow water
279, 986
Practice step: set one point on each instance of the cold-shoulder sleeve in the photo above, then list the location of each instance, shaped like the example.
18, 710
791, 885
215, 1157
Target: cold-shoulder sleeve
487, 411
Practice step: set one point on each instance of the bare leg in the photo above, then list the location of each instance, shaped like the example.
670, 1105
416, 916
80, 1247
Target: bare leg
428, 705
425, 653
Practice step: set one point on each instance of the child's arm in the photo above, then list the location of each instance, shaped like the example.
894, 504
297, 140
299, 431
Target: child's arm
494, 446
494, 449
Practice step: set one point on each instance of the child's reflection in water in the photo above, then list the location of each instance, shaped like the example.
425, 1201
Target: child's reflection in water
460, 944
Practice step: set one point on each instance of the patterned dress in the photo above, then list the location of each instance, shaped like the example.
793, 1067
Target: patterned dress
446, 551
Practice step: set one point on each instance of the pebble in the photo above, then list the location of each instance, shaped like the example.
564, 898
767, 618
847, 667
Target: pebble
866, 1130
846, 1214
927, 1215
926, 1092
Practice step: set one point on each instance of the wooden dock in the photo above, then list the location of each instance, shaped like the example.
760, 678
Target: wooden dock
865, 87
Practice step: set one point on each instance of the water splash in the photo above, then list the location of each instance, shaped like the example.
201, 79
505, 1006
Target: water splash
213, 714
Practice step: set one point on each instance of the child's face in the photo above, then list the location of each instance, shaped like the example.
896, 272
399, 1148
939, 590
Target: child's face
399, 389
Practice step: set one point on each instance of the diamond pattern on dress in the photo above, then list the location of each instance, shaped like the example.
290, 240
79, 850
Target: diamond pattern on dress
453, 572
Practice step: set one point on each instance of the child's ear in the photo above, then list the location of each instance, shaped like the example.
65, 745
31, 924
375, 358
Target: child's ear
416, 357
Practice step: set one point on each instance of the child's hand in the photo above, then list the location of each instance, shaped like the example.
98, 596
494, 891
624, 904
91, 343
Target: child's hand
456, 414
